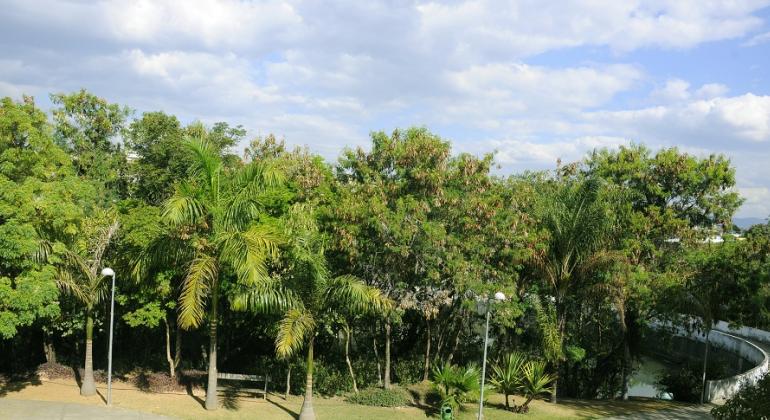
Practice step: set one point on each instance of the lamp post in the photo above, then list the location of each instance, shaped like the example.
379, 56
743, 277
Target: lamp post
499, 296
106, 271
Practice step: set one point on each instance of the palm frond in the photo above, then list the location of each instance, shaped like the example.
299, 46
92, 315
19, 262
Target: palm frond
207, 163
185, 207
348, 293
293, 330
201, 275
265, 298
247, 252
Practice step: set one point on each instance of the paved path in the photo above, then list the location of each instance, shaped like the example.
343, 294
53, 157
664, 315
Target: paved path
696, 412
44, 410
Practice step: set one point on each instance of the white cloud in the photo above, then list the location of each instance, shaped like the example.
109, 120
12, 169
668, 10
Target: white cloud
758, 39
531, 27
716, 121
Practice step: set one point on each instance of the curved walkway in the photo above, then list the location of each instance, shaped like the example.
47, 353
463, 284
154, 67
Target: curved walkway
38, 410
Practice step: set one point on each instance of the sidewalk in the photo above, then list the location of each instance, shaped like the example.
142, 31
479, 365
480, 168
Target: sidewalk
696, 412
44, 410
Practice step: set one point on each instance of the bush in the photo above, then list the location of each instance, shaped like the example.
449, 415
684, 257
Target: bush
378, 397
408, 371
751, 402
683, 384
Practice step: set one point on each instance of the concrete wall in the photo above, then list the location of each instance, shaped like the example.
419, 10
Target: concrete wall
721, 389
748, 332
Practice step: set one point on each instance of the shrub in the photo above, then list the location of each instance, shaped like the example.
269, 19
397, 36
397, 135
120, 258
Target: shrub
408, 371
156, 382
455, 384
751, 402
378, 397
683, 384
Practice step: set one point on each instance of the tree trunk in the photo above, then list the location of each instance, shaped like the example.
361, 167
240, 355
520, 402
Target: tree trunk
288, 381
178, 346
48, 348
171, 367
377, 357
507, 404
386, 373
560, 321
705, 365
211, 389
426, 367
347, 358
626, 365
306, 412
88, 387
456, 343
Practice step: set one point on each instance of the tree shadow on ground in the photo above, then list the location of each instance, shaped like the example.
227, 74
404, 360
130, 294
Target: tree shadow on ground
17, 382
230, 397
188, 388
293, 414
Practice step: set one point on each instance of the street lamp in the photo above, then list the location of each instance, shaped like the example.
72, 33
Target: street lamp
106, 271
499, 296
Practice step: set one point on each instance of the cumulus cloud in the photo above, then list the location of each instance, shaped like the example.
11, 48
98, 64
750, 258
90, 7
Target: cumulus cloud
536, 81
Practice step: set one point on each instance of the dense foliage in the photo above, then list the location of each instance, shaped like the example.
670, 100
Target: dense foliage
751, 403
375, 268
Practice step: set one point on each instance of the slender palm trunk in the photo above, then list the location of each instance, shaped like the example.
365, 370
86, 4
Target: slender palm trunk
169, 359
347, 358
386, 379
705, 365
426, 367
377, 357
178, 346
507, 404
307, 413
88, 387
288, 382
561, 325
211, 389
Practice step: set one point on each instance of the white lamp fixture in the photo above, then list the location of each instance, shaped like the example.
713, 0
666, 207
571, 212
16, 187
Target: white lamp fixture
107, 271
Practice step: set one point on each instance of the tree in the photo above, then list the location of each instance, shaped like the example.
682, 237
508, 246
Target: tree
307, 296
578, 223
535, 381
87, 127
40, 199
79, 275
158, 156
230, 209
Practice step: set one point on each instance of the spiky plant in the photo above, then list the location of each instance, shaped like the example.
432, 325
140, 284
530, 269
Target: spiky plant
507, 374
455, 384
535, 381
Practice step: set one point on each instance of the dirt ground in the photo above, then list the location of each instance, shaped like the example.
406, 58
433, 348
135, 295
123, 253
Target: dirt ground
189, 405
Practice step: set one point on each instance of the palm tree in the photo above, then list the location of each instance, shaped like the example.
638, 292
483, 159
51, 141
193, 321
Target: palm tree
578, 223
455, 384
307, 296
80, 277
228, 210
506, 375
534, 381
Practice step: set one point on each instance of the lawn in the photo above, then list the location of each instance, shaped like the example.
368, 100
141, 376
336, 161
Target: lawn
185, 406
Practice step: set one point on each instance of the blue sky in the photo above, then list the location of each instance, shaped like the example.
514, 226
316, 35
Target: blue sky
534, 81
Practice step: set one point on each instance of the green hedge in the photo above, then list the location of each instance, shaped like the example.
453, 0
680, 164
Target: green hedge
378, 397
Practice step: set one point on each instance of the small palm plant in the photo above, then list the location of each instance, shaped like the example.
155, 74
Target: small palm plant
534, 382
507, 375
455, 384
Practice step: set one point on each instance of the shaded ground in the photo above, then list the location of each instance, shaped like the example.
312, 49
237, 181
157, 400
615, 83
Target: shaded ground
36, 410
185, 405
682, 413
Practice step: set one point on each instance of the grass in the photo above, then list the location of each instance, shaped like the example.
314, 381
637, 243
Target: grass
187, 406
